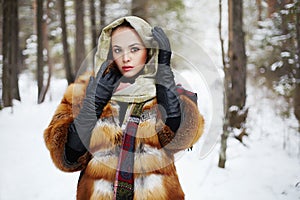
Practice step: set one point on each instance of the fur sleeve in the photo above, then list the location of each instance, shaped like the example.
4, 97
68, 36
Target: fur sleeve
190, 130
56, 133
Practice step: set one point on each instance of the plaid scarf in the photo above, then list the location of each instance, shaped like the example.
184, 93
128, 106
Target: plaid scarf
124, 182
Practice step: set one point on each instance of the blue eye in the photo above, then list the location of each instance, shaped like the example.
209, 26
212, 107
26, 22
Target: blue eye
117, 50
135, 49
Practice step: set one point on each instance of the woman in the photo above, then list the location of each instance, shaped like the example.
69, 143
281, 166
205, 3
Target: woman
122, 128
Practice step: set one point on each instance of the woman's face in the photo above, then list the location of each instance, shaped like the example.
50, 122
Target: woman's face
129, 52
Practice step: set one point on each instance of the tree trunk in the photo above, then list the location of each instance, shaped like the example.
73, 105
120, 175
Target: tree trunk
297, 88
67, 58
15, 51
49, 59
79, 43
259, 8
235, 76
6, 71
139, 8
237, 56
220, 33
93, 24
224, 137
40, 48
10, 50
102, 14
273, 6
1, 45
1, 25
287, 44
225, 134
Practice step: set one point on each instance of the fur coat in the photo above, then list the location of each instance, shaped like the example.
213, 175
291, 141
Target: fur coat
155, 174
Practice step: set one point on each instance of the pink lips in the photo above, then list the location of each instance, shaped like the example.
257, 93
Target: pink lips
127, 68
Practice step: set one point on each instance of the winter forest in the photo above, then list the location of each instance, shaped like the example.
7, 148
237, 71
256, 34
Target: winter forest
241, 57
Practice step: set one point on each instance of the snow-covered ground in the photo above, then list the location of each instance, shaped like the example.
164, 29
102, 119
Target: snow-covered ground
260, 170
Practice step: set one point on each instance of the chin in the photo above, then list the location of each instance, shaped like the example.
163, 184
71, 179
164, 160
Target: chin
128, 75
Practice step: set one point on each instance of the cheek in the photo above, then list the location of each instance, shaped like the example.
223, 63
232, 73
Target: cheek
143, 57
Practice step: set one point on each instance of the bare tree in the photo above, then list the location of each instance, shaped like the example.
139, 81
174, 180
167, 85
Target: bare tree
47, 48
67, 58
220, 33
1, 44
235, 78
288, 43
297, 76
1, 25
40, 48
79, 43
102, 14
93, 23
16, 52
10, 50
6, 73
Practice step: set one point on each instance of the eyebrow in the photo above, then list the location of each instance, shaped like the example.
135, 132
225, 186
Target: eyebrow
139, 44
134, 44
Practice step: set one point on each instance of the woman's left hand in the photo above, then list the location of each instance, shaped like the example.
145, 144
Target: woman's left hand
165, 52
166, 92
161, 38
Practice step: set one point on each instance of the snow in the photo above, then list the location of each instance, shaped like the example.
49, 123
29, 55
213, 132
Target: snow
276, 65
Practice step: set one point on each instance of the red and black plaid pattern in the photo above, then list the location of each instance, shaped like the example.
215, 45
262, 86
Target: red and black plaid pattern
124, 183
182, 91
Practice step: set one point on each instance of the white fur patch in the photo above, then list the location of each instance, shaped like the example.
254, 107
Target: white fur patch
148, 183
103, 187
153, 151
105, 154
103, 122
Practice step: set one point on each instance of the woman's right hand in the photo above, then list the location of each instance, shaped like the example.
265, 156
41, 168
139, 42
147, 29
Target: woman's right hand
107, 81
98, 94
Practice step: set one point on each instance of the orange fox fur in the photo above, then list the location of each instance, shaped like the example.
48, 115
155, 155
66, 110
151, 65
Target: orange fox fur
155, 172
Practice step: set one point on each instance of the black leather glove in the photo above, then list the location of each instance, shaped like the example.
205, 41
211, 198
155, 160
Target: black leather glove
107, 82
98, 93
165, 85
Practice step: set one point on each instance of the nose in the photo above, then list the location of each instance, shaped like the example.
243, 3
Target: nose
126, 57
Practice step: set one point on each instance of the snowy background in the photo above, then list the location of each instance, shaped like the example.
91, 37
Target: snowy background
267, 167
